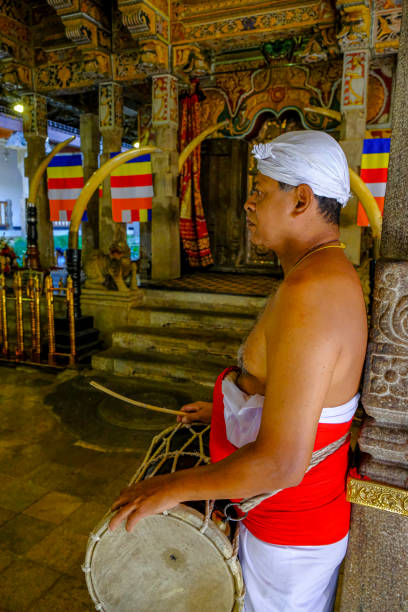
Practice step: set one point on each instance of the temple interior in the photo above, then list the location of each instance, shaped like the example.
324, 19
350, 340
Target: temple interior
126, 129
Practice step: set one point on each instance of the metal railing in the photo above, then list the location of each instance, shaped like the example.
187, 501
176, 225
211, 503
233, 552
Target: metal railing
18, 349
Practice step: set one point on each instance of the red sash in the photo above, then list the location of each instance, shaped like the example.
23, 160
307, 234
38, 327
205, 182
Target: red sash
315, 512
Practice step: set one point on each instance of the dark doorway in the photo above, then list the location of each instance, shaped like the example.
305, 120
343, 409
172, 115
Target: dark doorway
224, 164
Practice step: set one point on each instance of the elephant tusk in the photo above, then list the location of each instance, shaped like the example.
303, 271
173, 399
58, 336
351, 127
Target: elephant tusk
35, 182
358, 186
327, 112
92, 185
196, 141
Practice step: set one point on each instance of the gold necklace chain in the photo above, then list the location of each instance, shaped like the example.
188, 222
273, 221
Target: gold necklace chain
321, 248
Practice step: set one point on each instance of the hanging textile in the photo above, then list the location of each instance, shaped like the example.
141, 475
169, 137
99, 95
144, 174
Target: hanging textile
193, 227
132, 190
65, 176
374, 172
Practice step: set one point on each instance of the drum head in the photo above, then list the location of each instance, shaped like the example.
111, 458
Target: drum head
164, 565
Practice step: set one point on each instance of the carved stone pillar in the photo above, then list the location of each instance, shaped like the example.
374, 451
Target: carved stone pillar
165, 216
353, 39
111, 127
376, 567
90, 137
35, 133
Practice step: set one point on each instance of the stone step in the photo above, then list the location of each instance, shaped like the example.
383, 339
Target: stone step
159, 316
159, 367
178, 340
192, 300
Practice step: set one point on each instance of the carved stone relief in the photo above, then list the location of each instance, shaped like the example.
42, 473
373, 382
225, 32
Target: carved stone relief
386, 380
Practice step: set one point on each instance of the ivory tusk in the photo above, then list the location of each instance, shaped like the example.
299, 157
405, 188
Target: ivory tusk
35, 182
196, 141
358, 186
327, 112
92, 185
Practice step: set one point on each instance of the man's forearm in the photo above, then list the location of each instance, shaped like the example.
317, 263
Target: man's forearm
245, 473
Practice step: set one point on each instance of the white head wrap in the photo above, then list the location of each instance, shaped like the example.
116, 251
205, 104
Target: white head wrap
309, 157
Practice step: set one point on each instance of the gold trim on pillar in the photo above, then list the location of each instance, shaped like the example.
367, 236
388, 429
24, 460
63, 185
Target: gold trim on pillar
377, 495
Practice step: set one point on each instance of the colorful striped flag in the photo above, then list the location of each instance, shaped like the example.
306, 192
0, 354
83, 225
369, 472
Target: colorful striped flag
132, 190
65, 182
374, 172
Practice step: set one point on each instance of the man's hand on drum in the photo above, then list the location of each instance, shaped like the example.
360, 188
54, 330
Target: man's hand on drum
196, 412
150, 496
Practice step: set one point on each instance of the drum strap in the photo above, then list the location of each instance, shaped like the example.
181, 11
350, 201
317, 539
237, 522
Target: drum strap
251, 502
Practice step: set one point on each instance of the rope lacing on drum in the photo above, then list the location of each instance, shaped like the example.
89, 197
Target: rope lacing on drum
94, 537
157, 456
86, 568
240, 598
209, 507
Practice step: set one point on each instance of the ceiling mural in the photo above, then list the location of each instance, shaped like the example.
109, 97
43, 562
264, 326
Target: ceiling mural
243, 97
251, 56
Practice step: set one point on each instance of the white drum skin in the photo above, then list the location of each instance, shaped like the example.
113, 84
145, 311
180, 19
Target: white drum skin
177, 561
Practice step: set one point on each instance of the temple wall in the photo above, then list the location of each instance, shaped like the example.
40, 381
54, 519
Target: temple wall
11, 183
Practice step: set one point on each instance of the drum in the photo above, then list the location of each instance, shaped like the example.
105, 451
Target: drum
184, 560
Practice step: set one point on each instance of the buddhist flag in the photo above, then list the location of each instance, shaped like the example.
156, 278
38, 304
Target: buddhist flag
65, 182
374, 171
132, 190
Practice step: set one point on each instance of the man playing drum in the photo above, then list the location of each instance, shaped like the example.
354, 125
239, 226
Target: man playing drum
296, 390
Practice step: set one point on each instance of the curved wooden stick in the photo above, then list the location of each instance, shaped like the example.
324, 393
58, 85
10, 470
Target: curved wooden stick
92, 185
35, 182
196, 141
96, 385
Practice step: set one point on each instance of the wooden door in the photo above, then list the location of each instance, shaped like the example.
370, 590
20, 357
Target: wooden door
224, 164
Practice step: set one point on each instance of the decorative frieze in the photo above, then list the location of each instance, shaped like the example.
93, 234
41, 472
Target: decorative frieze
110, 106
190, 60
377, 495
83, 21
387, 26
35, 115
355, 77
164, 100
356, 24
242, 96
82, 73
143, 20
211, 22
60, 4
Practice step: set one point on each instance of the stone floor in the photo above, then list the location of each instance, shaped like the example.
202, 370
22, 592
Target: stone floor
65, 452
55, 485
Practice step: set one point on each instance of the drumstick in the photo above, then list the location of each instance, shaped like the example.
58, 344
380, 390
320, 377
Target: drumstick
135, 402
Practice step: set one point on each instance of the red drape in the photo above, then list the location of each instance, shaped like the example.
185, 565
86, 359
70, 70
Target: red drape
193, 227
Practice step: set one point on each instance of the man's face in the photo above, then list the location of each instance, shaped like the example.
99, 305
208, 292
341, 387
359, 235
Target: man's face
267, 211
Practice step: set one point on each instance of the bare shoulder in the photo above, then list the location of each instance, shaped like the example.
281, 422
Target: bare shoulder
319, 295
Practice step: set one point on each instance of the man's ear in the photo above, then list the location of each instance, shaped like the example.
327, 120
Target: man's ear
304, 198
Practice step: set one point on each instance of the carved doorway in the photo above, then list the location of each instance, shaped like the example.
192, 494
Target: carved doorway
227, 174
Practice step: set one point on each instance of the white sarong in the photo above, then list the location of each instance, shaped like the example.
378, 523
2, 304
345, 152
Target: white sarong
282, 578
289, 578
